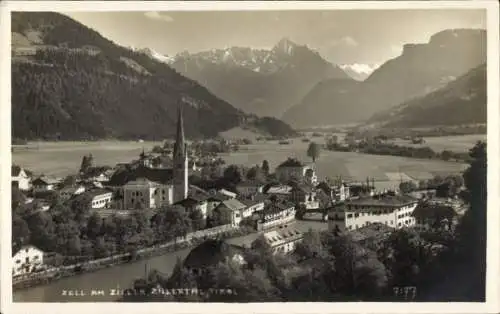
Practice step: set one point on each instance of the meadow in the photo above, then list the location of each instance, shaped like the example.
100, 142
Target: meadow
461, 143
63, 158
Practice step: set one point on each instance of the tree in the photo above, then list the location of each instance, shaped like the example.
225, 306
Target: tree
311, 246
256, 173
446, 155
197, 220
407, 186
233, 174
87, 163
265, 167
20, 232
313, 151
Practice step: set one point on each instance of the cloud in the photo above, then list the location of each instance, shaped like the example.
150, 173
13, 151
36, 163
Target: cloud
345, 41
155, 15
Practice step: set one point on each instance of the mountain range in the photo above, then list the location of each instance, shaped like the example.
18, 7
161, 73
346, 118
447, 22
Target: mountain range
419, 70
259, 81
359, 71
462, 101
71, 83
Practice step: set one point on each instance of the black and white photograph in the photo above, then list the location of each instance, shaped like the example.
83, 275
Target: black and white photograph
188, 153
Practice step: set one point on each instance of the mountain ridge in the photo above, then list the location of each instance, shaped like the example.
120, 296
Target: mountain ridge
462, 101
264, 82
69, 82
419, 70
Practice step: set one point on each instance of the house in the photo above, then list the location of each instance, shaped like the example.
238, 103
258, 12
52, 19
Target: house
145, 194
254, 204
392, 210
100, 198
249, 187
227, 193
283, 240
70, 191
292, 169
275, 214
20, 178
27, 260
195, 202
304, 194
370, 236
280, 189
45, 184
337, 192
214, 200
231, 211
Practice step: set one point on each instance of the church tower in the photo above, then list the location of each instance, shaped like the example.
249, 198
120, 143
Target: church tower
180, 159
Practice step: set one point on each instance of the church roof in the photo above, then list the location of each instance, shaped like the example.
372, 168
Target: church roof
123, 176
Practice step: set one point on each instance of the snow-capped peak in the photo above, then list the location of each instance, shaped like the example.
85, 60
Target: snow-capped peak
156, 55
359, 71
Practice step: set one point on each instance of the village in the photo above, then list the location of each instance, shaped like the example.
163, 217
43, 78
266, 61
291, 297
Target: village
259, 202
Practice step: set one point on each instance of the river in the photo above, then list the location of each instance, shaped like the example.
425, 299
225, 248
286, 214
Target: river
117, 277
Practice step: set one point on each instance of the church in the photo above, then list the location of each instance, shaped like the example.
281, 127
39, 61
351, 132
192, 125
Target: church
145, 187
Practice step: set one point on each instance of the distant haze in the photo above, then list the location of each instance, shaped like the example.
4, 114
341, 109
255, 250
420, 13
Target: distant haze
342, 36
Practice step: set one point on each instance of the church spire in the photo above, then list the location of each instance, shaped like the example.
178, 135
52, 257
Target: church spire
179, 145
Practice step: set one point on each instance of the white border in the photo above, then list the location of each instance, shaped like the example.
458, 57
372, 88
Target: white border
493, 292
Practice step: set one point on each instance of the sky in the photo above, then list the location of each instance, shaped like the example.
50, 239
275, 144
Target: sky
340, 36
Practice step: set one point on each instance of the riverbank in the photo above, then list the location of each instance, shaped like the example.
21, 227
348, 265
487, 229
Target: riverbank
49, 276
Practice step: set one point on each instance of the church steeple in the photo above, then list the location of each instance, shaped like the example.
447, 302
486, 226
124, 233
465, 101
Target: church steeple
180, 159
179, 146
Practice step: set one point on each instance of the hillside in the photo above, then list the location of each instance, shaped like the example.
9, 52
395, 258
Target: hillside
69, 82
419, 70
263, 82
462, 101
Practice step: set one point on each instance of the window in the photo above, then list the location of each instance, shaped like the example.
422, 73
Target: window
27, 259
18, 261
356, 215
35, 257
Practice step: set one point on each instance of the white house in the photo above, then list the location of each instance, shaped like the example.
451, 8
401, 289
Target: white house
275, 214
20, 178
45, 184
391, 210
292, 169
27, 260
70, 191
143, 193
195, 202
253, 205
305, 195
283, 240
101, 198
231, 211
227, 193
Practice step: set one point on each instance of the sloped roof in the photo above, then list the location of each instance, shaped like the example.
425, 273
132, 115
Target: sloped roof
48, 180
233, 204
383, 200
210, 253
122, 176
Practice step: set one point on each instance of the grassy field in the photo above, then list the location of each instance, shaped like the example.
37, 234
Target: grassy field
64, 158
460, 143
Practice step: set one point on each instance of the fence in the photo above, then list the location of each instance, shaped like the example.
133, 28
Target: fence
119, 258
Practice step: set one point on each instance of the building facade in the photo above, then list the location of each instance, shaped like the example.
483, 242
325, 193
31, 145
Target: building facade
145, 194
283, 240
394, 211
101, 199
292, 169
20, 178
275, 214
45, 184
27, 260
